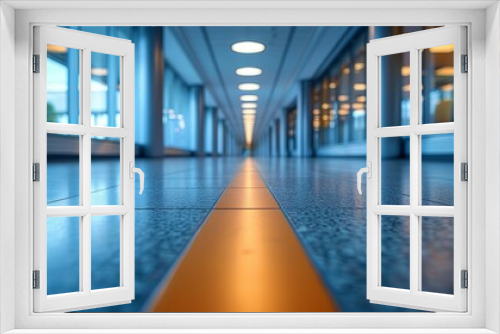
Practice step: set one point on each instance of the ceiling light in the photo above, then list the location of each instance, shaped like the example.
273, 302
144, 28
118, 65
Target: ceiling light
99, 72
248, 86
249, 98
342, 98
445, 71
361, 98
248, 47
332, 85
56, 49
249, 105
248, 111
248, 71
442, 49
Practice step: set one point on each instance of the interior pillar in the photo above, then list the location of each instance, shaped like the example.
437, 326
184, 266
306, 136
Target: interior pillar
304, 120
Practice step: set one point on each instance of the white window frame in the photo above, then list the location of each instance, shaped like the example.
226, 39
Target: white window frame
412, 44
16, 228
86, 44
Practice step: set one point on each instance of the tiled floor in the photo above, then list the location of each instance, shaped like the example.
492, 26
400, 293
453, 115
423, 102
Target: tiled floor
317, 196
241, 260
179, 194
320, 199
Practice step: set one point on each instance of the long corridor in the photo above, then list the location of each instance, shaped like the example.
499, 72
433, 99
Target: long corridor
275, 235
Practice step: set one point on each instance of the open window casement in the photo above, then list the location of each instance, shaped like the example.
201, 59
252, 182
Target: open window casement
77, 215
415, 133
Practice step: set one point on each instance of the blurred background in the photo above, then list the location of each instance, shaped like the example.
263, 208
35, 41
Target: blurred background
295, 100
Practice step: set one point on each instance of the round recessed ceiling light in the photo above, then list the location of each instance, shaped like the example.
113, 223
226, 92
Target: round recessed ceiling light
249, 98
248, 71
99, 72
249, 105
248, 47
248, 86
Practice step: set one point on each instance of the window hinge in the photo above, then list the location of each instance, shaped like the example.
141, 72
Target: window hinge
36, 63
36, 172
465, 279
465, 64
464, 171
36, 279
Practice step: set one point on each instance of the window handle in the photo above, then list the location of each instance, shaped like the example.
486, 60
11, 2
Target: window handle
134, 170
368, 171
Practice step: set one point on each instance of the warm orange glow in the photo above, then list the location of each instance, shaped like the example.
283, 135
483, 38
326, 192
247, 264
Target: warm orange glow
405, 71
359, 66
361, 98
56, 49
343, 98
359, 86
447, 87
446, 71
325, 106
343, 112
442, 49
358, 106
332, 85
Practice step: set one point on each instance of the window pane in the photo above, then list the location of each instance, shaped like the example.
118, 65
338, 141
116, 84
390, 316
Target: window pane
437, 254
63, 255
437, 169
63, 76
105, 90
395, 248
395, 171
63, 170
394, 89
105, 171
437, 82
105, 248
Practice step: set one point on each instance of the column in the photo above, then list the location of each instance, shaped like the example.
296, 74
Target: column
224, 139
390, 95
215, 132
198, 103
304, 120
282, 133
277, 136
149, 90
270, 139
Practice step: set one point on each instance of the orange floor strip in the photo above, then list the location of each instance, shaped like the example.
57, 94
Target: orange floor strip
246, 258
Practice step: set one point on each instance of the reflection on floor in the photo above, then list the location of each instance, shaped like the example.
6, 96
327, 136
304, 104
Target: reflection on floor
317, 196
320, 199
241, 259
